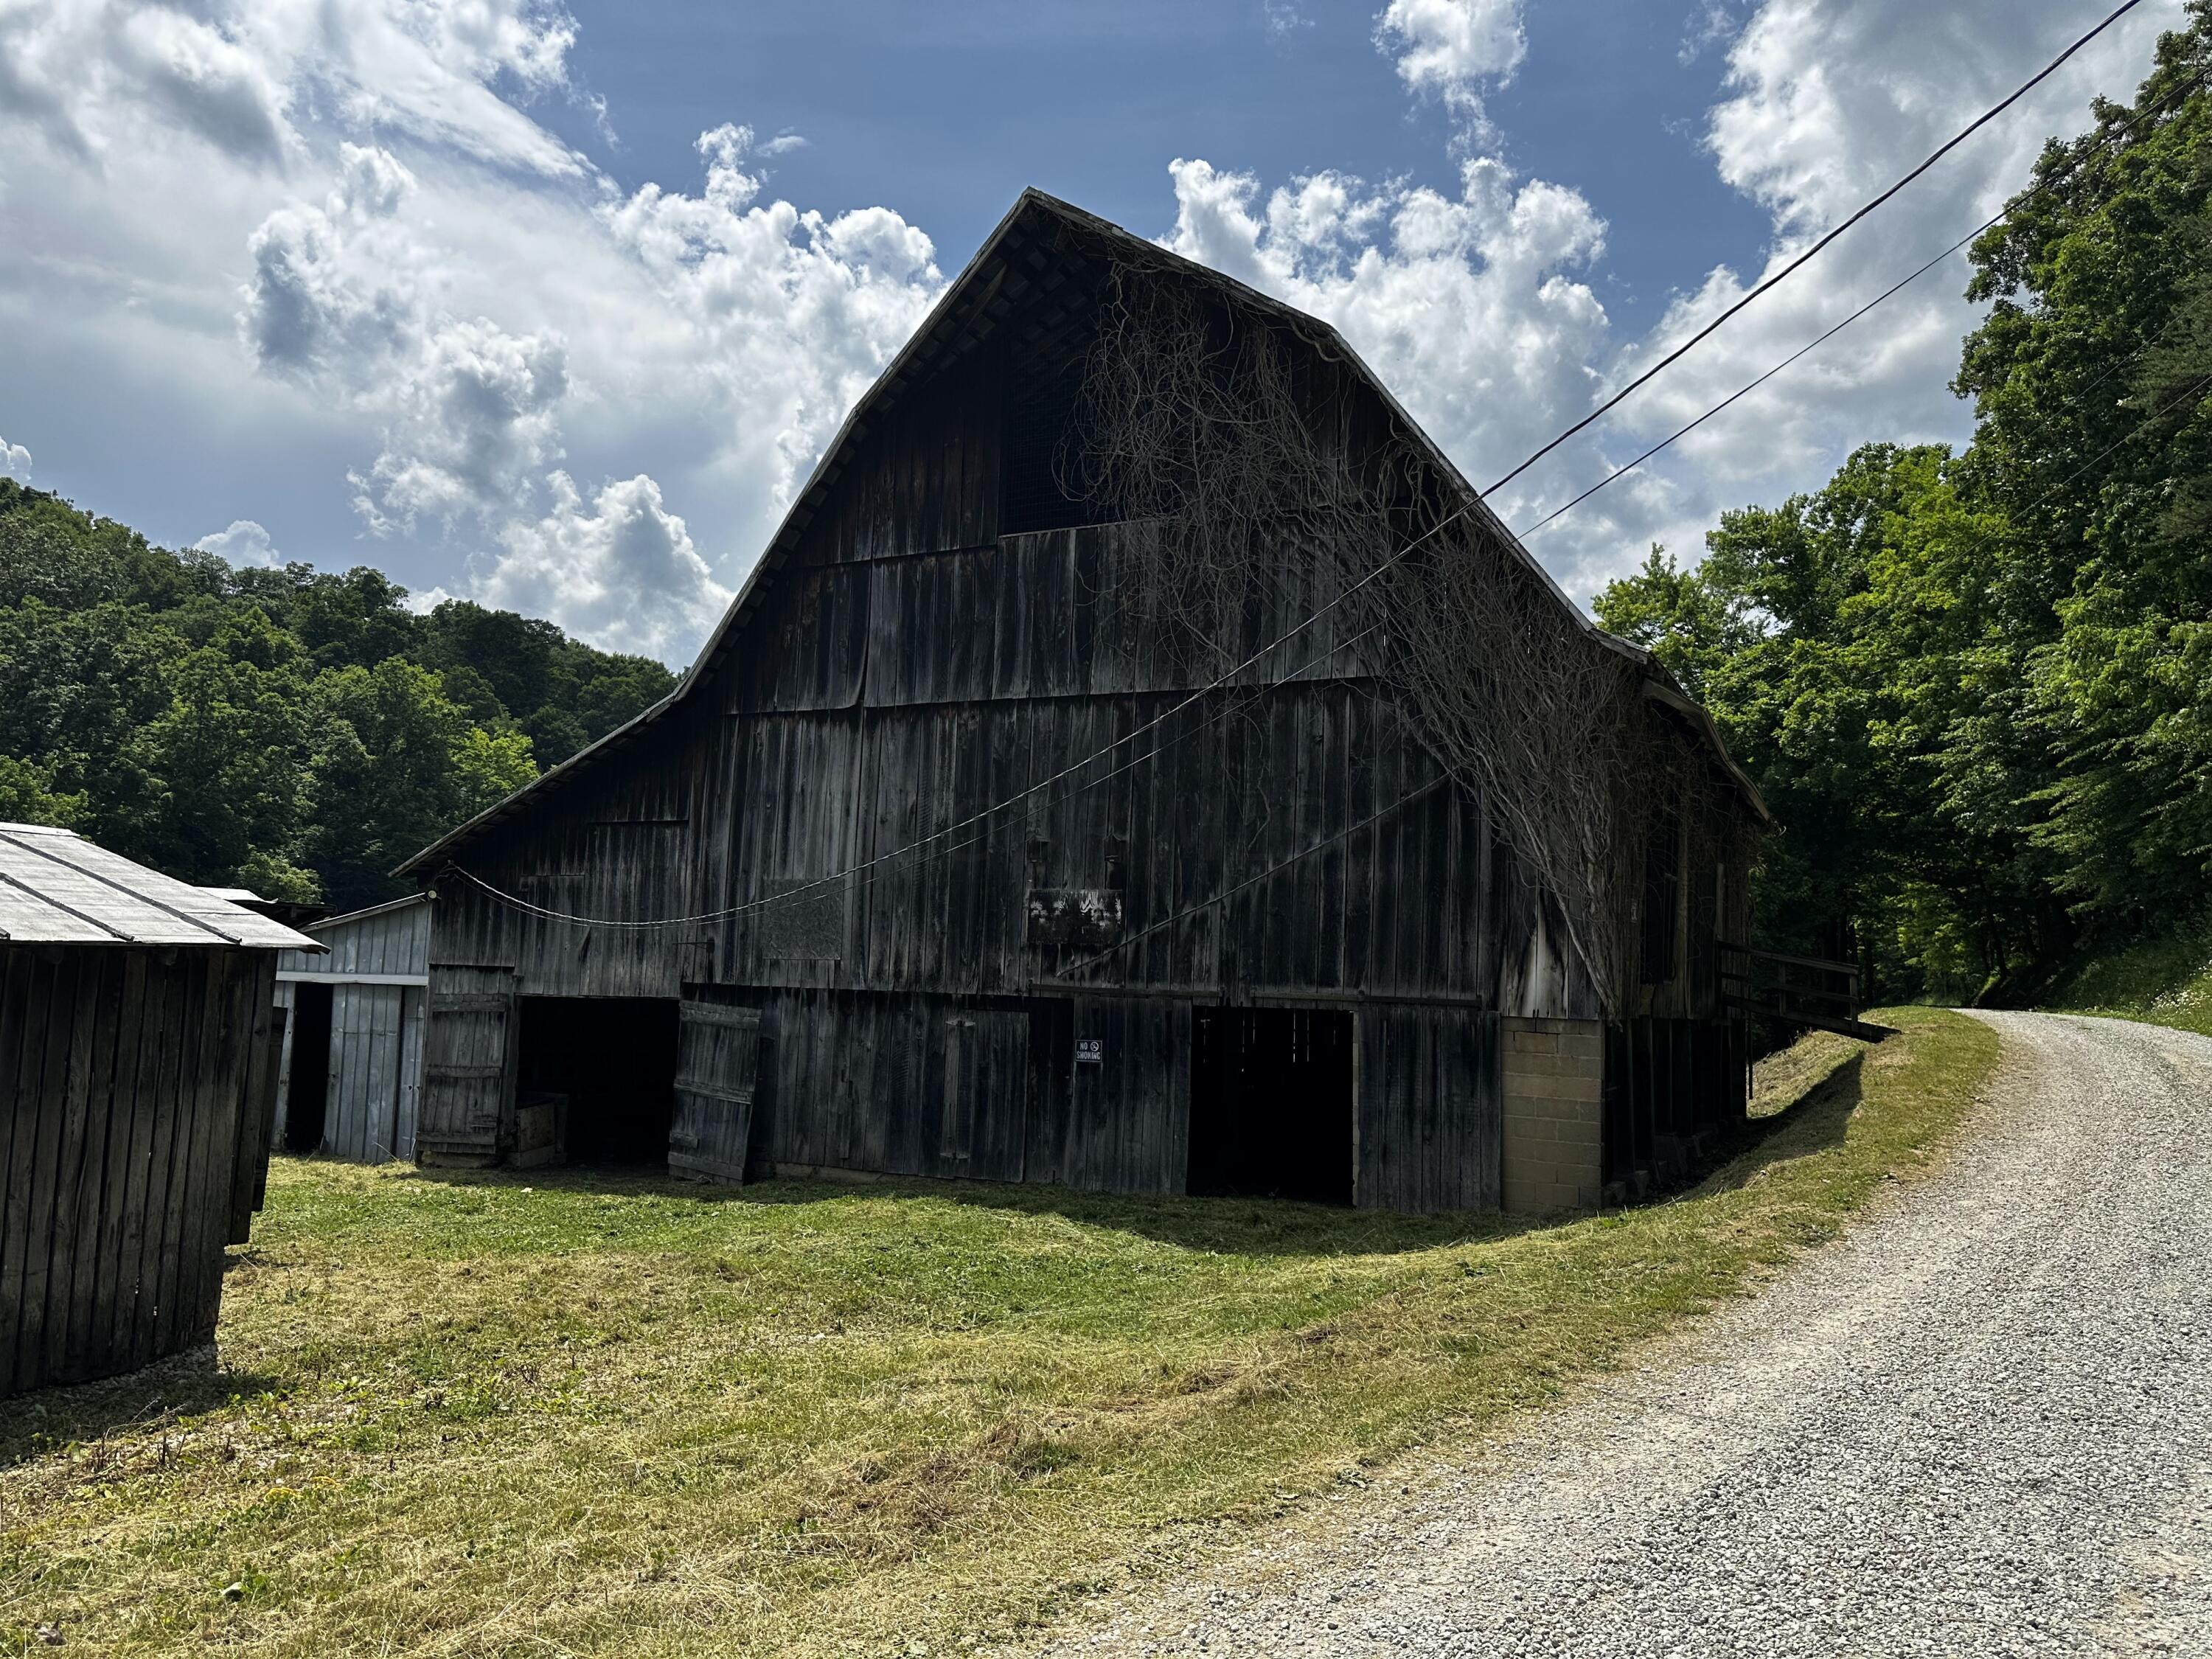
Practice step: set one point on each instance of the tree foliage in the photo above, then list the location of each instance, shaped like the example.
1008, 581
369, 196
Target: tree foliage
294, 731
1978, 688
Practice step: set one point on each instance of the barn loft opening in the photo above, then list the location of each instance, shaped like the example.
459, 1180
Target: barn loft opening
307, 1105
600, 1074
1271, 1103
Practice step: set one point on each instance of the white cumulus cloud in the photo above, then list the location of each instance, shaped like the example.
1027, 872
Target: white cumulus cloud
755, 322
621, 570
474, 420
1451, 50
1470, 307
15, 461
1826, 104
244, 542
786, 314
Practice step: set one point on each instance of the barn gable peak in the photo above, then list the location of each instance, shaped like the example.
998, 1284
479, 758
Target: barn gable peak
1041, 269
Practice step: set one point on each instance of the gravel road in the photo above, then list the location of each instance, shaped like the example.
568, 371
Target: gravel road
1981, 1424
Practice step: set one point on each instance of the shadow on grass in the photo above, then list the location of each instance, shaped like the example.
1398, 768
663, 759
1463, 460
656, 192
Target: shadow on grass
1240, 1226
33, 1424
1253, 1227
1816, 1120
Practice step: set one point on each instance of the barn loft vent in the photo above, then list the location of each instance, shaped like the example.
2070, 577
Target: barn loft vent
1041, 403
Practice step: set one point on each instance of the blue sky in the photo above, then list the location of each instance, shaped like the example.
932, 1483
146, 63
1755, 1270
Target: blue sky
948, 117
554, 307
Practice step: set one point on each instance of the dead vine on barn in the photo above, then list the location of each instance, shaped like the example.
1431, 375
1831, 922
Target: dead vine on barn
1210, 420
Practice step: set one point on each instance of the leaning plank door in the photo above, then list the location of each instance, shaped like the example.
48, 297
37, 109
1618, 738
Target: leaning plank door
987, 1094
717, 1066
468, 1064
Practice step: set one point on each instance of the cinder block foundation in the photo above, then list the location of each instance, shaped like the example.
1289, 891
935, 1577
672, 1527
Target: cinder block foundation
1554, 1088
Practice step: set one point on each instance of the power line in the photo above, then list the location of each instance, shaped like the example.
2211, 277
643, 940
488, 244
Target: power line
1812, 253
2006, 212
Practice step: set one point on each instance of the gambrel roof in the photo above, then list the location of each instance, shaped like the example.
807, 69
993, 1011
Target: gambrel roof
1030, 248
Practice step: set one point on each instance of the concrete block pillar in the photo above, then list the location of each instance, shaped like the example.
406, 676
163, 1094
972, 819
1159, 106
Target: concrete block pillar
1554, 1129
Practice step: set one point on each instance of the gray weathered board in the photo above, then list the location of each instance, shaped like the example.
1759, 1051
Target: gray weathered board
137, 1085
943, 800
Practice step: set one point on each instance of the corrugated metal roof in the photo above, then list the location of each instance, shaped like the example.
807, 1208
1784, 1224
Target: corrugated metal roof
57, 887
352, 916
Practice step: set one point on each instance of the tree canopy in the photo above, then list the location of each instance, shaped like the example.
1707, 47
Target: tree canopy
294, 731
1976, 688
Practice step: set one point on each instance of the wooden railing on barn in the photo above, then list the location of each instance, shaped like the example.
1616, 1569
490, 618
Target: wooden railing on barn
1813, 991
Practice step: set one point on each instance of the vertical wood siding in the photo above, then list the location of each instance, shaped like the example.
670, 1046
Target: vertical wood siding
132, 1146
1287, 836
376, 1041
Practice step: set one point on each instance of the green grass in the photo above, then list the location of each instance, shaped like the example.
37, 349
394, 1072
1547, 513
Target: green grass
2164, 981
550, 1415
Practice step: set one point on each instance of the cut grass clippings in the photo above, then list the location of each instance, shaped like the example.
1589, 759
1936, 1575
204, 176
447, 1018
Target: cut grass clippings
564, 1413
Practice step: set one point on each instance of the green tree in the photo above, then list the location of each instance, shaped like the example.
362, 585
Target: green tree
396, 765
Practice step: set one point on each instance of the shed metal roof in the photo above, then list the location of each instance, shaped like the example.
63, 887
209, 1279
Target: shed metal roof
406, 901
57, 887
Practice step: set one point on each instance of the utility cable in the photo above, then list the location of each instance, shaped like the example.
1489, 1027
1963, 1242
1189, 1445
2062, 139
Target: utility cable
1990, 223
1813, 251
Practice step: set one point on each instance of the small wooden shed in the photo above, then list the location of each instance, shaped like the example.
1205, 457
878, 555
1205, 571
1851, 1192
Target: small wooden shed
353, 1034
138, 1050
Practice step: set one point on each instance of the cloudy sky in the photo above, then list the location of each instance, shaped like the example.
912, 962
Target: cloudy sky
554, 307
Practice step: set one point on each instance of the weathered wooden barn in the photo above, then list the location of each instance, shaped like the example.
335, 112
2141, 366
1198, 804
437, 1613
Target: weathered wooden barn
351, 1078
1121, 770
138, 1049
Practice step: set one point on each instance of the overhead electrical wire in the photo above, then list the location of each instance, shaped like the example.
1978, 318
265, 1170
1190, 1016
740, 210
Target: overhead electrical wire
866, 867
2172, 97
1813, 251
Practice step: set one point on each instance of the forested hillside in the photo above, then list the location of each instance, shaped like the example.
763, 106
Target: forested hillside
291, 731
1976, 688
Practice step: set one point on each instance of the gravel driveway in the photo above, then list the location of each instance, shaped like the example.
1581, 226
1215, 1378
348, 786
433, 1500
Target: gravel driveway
1981, 1424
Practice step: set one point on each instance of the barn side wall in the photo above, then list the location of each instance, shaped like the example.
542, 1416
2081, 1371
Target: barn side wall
375, 1052
133, 1145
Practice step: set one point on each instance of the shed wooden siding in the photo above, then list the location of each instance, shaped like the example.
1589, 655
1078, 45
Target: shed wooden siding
374, 1062
138, 1084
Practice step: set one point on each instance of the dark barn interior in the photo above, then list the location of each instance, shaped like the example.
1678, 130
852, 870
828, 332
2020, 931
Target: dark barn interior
311, 1067
612, 1060
1271, 1103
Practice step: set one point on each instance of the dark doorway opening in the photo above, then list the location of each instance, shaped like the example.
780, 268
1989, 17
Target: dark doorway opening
307, 1097
1271, 1103
604, 1069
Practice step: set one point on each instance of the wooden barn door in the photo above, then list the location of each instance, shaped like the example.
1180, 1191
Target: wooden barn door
717, 1072
468, 1064
987, 1093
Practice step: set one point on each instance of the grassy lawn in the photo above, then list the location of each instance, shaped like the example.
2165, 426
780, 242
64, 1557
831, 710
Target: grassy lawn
547, 1414
2164, 981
